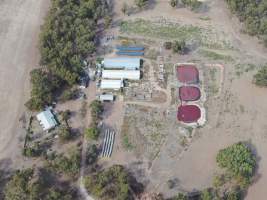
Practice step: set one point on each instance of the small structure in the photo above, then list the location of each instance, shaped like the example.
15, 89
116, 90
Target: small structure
47, 120
111, 84
189, 93
188, 74
122, 63
84, 81
121, 74
106, 97
188, 113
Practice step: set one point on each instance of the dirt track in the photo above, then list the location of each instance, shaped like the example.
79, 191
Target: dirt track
20, 22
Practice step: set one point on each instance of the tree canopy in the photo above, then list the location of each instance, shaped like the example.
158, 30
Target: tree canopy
238, 160
260, 78
253, 14
67, 38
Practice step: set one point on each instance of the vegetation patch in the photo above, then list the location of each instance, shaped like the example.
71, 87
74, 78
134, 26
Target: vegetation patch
215, 56
253, 14
112, 183
157, 30
37, 184
260, 78
67, 38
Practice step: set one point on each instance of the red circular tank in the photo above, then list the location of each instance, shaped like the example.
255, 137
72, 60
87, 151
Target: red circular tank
188, 113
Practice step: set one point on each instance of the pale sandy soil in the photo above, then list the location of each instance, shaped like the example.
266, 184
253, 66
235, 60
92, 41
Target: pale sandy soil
20, 22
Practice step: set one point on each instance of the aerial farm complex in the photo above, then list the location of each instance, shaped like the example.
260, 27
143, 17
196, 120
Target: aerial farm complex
133, 100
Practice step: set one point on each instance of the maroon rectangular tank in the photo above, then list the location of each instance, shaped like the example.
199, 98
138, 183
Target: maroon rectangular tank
188, 113
187, 74
189, 93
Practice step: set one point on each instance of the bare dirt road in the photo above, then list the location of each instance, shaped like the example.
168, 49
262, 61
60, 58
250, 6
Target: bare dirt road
20, 22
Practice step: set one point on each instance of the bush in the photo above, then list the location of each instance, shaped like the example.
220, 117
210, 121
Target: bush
92, 133
112, 183
181, 196
193, 4
173, 3
168, 45
252, 13
91, 154
238, 160
29, 184
96, 109
141, 3
68, 165
179, 47
260, 78
64, 133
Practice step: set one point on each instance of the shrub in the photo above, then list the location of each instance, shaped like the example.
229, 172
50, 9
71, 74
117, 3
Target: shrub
64, 133
112, 183
141, 3
91, 154
168, 45
173, 3
260, 78
179, 47
96, 109
92, 133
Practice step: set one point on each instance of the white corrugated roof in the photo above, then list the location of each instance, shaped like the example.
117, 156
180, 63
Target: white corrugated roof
121, 74
111, 84
122, 63
47, 120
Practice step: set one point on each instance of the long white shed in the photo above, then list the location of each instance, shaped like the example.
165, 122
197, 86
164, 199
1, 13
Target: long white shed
111, 84
122, 63
121, 74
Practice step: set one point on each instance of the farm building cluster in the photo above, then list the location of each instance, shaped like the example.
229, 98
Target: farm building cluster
115, 71
189, 111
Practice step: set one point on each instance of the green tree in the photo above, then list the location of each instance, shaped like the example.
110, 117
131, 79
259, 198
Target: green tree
206, 195
181, 196
96, 109
64, 133
179, 47
91, 154
92, 133
173, 3
141, 3
238, 160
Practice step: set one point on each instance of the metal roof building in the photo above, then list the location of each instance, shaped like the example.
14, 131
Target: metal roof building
47, 120
106, 97
111, 84
122, 63
121, 74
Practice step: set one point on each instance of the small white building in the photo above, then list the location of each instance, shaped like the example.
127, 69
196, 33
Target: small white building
47, 120
111, 84
121, 74
106, 97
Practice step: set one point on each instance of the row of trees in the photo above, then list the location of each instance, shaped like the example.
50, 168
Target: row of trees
93, 132
67, 37
253, 14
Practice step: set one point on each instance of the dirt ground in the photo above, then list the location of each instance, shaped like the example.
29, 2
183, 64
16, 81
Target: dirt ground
20, 22
235, 113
